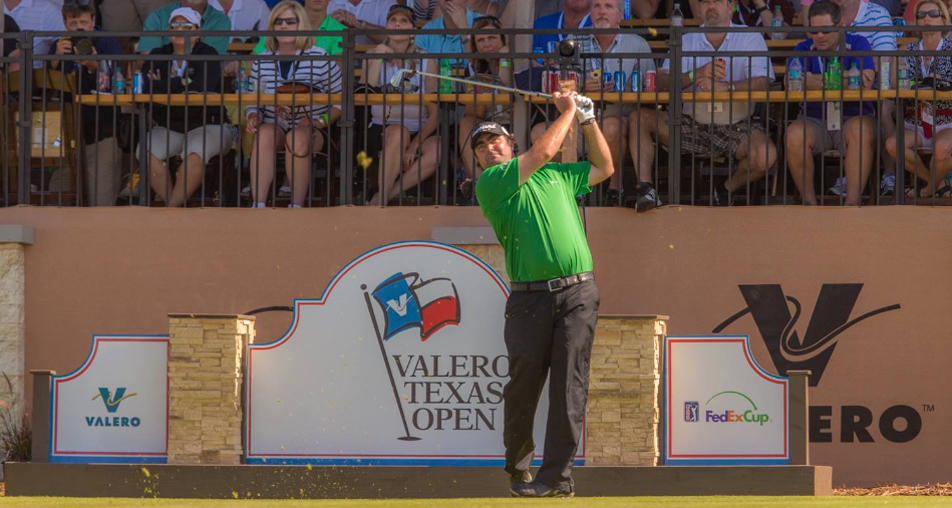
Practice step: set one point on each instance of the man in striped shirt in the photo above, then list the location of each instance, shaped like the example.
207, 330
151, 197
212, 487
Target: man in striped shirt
861, 13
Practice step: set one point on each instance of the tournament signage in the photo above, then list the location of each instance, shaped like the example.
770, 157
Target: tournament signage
114, 408
720, 406
400, 361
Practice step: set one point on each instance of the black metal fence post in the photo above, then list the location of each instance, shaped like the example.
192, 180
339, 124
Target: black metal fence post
26, 117
674, 118
347, 119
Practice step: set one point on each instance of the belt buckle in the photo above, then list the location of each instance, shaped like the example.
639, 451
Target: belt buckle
552, 282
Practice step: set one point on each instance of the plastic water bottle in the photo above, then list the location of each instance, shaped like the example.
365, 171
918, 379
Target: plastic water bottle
902, 75
677, 17
834, 74
119, 87
776, 23
446, 69
103, 79
795, 76
885, 74
627, 9
853, 78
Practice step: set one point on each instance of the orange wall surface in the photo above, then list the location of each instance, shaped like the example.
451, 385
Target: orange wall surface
122, 270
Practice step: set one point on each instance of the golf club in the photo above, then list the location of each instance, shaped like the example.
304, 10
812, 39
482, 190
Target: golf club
404, 74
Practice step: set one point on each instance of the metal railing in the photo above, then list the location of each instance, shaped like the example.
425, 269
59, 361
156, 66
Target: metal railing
49, 158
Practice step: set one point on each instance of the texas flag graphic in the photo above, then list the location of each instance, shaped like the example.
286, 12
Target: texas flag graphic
408, 302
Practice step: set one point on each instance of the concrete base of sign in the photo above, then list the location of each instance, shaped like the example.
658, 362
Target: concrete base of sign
326, 482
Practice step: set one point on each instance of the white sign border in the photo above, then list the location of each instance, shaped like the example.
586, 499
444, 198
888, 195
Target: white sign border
370, 460
734, 459
87, 457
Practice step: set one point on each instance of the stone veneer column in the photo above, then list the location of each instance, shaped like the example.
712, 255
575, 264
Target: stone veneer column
13, 240
623, 398
478, 241
205, 397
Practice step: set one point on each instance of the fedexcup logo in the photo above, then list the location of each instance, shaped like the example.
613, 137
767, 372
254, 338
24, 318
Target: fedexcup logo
770, 309
111, 401
740, 414
737, 415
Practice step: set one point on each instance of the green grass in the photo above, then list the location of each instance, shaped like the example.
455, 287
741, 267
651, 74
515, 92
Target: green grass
592, 502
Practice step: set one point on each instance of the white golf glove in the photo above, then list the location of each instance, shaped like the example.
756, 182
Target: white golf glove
584, 108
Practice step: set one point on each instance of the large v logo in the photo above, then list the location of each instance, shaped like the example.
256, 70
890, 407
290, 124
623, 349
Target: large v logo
771, 311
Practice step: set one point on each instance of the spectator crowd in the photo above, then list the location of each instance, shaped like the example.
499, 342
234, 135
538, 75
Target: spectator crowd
406, 138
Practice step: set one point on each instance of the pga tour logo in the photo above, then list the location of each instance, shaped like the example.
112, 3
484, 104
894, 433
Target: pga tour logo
690, 411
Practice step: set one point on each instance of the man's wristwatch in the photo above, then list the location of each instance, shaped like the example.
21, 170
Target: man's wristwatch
762, 8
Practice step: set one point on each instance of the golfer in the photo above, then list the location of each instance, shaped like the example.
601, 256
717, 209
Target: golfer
551, 313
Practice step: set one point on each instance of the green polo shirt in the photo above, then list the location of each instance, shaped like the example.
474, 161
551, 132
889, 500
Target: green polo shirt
537, 222
212, 20
331, 44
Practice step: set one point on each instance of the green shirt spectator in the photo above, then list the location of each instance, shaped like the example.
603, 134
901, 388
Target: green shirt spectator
212, 20
538, 222
329, 43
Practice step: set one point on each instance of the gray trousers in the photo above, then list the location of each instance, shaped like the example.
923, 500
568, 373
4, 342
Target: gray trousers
548, 335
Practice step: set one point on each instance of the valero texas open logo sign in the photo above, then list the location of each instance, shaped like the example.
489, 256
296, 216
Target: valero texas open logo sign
400, 361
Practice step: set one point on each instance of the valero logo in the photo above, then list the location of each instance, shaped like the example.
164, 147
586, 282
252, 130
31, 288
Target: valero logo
741, 415
112, 401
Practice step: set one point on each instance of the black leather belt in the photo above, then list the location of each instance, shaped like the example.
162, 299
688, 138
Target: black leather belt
552, 284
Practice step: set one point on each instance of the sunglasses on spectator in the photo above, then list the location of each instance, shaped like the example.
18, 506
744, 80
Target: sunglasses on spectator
181, 25
75, 2
487, 20
934, 13
286, 21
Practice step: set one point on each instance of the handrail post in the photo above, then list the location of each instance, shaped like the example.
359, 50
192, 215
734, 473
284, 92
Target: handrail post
674, 118
347, 119
26, 117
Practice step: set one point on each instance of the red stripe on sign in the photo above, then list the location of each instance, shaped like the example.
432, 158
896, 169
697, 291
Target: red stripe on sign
439, 313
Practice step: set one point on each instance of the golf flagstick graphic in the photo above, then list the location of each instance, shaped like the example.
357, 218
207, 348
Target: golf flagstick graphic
428, 305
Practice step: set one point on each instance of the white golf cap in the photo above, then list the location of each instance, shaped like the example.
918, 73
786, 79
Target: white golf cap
190, 15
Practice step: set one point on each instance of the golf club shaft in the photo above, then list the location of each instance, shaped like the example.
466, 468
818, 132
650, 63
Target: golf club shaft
486, 85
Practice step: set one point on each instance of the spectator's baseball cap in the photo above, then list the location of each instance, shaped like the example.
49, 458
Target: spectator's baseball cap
488, 128
394, 9
190, 15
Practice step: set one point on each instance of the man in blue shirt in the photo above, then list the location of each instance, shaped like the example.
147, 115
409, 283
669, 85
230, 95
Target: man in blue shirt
822, 126
576, 15
455, 17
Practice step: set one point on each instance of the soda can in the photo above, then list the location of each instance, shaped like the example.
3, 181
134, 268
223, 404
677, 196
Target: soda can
634, 81
553, 46
137, 83
620, 81
650, 77
550, 81
607, 78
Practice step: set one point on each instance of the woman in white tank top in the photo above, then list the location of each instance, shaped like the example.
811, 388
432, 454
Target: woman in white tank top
411, 148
